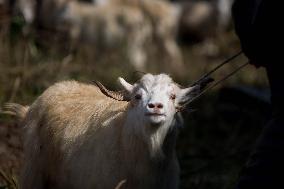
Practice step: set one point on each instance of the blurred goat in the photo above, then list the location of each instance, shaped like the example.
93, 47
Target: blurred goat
204, 20
144, 28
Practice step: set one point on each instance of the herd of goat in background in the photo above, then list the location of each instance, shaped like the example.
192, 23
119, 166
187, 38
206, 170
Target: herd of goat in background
139, 27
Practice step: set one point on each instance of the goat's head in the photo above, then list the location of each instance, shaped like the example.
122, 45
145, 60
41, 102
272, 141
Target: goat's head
154, 101
156, 98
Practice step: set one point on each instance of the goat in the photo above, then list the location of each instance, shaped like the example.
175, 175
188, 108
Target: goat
83, 136
203, 22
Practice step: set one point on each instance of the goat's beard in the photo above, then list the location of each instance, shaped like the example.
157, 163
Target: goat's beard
153, 136
156, 137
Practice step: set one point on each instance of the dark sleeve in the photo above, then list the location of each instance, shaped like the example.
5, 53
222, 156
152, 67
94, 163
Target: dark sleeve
258, 24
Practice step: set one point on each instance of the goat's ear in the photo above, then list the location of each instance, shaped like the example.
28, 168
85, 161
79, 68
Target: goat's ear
186, 94
127, 86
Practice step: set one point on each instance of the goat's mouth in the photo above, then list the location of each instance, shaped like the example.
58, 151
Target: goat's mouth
154, 114
155, 118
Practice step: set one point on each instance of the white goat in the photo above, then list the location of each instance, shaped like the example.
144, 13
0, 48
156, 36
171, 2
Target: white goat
79, 137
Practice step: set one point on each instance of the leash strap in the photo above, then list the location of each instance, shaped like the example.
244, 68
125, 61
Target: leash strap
206, 76
205, 79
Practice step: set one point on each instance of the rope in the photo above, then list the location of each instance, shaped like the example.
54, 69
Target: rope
215, 84
216, 68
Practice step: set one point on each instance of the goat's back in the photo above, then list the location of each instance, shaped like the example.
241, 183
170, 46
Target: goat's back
69, 127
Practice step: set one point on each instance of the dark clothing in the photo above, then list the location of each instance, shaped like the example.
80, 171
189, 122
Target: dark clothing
276, 81
259, 25
264, 169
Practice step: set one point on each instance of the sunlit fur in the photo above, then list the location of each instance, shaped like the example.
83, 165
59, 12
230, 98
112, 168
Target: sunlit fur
76, 137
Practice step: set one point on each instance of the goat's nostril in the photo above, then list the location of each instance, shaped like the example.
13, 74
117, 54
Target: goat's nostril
151, 105
159, 105
156, 105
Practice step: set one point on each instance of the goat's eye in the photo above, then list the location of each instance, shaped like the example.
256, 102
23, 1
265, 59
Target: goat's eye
173, 96
137, 96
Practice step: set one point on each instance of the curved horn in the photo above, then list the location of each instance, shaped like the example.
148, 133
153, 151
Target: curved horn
117, 95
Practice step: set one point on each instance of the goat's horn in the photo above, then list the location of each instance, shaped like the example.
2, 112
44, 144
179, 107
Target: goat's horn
117, 95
